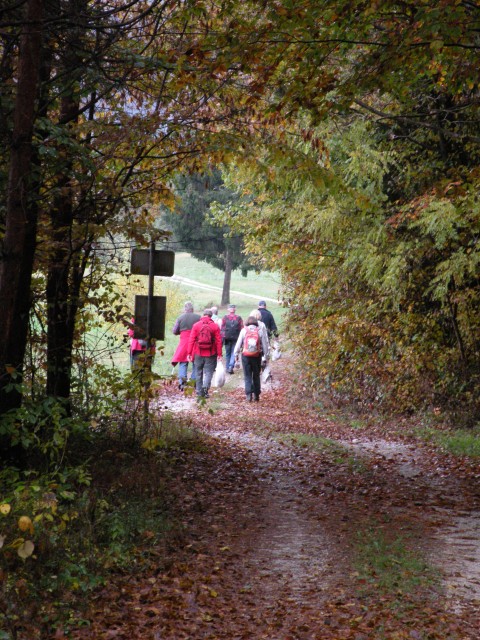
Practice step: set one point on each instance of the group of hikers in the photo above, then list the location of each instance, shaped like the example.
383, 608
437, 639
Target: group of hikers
202, 339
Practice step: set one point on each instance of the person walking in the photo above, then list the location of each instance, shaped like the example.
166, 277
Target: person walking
138, 349
268, 319
215, 317
204, 349
182, 327
261, 325
252, 345
231, 327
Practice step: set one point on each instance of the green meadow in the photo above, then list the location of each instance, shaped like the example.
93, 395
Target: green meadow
201, 284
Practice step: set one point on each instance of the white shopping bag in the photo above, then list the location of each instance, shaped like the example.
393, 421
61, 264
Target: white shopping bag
218, 379
276, 353
266, 375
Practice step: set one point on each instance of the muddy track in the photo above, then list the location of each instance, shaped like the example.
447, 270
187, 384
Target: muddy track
271, 530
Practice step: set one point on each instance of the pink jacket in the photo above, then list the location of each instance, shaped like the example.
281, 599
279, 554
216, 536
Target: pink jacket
135, 343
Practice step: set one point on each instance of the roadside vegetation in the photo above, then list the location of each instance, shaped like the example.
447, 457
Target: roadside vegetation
66, 528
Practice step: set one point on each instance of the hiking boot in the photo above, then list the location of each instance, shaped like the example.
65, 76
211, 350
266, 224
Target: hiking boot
249, 397
257, 398
205, 392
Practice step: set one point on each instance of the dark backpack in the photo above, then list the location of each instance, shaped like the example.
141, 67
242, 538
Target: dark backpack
205, 336
232, 328
251, 342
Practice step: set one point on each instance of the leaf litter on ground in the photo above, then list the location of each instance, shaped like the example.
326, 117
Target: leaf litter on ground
293, 527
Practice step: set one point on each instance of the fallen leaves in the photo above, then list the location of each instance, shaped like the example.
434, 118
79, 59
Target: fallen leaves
267, 546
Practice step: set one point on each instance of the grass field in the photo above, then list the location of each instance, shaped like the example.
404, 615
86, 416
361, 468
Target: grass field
245, 294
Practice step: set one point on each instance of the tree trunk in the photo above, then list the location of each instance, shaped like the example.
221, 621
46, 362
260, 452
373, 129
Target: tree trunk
21, 213
65, 277
62, 302
227, 278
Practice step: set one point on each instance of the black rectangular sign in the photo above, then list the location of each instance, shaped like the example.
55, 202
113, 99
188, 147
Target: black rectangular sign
159, 312
163, 262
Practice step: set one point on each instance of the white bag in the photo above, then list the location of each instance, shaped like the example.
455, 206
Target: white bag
218, 379
276, 353
266, 375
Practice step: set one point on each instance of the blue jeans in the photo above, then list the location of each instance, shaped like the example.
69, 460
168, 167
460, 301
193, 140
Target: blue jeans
204, 368
182, 372
229, 354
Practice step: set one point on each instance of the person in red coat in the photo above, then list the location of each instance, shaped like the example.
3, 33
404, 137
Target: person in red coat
182, 327
138, 349
204, 349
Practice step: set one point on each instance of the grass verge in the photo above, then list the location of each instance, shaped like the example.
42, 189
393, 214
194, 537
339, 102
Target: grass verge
388, 565
459, 442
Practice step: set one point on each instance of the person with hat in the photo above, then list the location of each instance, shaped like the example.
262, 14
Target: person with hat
268, 319
232, 324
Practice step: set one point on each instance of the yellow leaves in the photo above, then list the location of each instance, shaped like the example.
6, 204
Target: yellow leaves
436, 45
24, 547
25, 524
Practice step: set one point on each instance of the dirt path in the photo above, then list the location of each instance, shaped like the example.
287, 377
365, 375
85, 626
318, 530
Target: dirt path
274, 529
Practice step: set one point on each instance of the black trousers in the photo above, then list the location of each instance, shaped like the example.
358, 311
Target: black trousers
251, 373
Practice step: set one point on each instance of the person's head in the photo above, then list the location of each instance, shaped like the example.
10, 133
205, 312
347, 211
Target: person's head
207, 312
256, 314
215, 311
262, 304
188, 307
231, 308
252, 320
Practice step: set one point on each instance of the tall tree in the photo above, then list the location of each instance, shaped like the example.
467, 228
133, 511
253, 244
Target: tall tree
19, 240
198, 233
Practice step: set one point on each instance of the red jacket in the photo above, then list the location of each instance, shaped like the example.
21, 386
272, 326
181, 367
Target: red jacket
194, 349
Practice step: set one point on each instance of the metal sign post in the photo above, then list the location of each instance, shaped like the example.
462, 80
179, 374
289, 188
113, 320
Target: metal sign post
150, 310
151, 262
150, 290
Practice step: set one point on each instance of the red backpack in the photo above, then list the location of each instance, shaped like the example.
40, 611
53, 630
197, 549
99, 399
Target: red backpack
251, 342
205, 336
